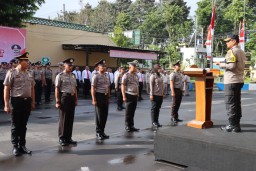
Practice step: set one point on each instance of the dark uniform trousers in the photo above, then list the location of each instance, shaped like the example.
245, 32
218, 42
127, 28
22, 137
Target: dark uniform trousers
78, 85
38, 90
155, 108
101, 111
87, 86
66, 116
119, 98
48, 90
131, 104
176, 100
140, 88
20, 114
233, 102
1, 93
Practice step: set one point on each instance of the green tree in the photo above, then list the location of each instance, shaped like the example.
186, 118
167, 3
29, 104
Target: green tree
122, 5
103, 17
12, 13
153, 28
138, 11
119, 38
85, 15
123, 20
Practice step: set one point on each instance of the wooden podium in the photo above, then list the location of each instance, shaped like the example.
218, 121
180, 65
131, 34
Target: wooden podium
203, 88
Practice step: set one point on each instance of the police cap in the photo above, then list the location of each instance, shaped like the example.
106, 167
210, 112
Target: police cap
134, 63
101, 62
177, 63
232, 37
69, 61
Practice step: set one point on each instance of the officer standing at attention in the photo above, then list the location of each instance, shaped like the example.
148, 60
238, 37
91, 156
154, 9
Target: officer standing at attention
39, 77
12, 63
66, 100
3, 71
156, 83
48, 82
100, 91
118, 81
176, 88
233, 82
59, 70
130, 92
19, 85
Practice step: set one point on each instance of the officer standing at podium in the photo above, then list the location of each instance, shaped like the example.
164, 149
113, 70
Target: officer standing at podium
176, 85
66, 100
233, 82
100, 90
19, 86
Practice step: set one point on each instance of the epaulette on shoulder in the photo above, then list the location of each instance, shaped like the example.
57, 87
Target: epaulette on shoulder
11, 70
61, 73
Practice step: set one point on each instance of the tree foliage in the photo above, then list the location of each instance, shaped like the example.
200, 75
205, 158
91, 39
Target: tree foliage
12, 13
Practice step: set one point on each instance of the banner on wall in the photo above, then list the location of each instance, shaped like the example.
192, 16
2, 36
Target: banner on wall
12, 42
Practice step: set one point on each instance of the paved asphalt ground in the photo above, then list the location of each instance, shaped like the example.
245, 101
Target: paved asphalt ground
122, 152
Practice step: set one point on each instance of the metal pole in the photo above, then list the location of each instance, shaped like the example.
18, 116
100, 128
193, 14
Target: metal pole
195, 38
211, 61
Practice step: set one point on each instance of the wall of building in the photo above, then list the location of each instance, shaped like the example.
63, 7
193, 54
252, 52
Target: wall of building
46, 41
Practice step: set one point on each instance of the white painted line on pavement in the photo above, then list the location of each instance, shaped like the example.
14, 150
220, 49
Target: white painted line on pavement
246, 105
85, 169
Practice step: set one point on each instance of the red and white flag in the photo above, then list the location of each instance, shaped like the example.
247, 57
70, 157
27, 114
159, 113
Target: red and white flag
242, 36
210, 35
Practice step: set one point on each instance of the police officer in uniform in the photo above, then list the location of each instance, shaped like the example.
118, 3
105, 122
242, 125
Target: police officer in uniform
59, 70
176, 85
39, 77
48, 81
156, 84
3, 71
100, 91
233, 82
118, 81
130, 92
12, 63
66, 100
19, 85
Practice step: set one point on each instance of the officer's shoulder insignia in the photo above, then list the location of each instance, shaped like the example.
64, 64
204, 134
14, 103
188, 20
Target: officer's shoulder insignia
230, 57
61, 73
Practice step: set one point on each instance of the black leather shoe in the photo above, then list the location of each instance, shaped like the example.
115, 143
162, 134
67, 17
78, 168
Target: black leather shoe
123, 107
119, 109
105, 136
176, 120
154, 125
16, 151
159, 125
99, 136
128, 129
63, 142
24, 150
133, 129
72, 142
230, 128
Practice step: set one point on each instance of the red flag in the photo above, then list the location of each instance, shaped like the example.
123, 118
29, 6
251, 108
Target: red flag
210, 34
242, 36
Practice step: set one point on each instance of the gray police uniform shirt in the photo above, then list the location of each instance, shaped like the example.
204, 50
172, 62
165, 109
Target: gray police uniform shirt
20, 83
38, 74
131, 81
177, 77
234, 66
48, 74
101, 83
156, 84
2, 73
118, 80
66, 82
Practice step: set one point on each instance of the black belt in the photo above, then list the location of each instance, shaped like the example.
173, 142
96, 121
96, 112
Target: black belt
68, 94
38, 80
21, 98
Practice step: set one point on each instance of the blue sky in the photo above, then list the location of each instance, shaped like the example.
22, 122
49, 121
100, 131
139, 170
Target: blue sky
51, 7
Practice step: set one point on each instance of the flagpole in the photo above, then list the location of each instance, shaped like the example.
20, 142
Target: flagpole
211, 62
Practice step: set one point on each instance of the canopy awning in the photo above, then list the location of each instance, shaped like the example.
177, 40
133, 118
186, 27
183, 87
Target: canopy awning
132, 55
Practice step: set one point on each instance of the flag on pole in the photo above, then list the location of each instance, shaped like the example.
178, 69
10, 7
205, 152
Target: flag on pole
210, 35
242, 36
